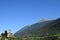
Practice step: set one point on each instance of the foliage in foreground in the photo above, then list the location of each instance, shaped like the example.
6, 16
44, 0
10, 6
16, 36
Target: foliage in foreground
17, 38
55, 37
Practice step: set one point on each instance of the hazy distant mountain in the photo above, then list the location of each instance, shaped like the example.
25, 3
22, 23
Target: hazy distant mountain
42, 20
45, 28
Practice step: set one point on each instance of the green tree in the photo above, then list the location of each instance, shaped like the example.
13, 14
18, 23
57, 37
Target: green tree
5, 33
2, 34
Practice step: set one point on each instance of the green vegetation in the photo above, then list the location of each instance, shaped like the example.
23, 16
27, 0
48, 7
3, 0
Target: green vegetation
4, 34
10, 38
53, 37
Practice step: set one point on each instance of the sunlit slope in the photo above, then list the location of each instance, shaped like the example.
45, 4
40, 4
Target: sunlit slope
46, 28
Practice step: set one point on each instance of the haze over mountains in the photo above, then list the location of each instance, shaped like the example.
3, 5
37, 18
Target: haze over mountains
43, 28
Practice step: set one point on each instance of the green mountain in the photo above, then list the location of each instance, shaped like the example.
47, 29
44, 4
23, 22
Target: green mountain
41, 29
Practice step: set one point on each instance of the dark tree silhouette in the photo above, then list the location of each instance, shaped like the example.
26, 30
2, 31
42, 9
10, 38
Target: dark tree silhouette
5, 33
2, 34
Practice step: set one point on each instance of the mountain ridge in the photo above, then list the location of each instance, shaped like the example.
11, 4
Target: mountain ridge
40, 29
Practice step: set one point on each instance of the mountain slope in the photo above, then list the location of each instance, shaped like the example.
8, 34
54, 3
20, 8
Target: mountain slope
45, 28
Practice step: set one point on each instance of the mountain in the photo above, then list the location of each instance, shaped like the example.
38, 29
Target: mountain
45, 28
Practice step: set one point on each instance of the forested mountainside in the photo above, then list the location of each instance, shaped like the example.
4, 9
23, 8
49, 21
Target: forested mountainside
46, 28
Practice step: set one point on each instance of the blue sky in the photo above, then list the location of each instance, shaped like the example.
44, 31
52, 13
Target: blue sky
15, 14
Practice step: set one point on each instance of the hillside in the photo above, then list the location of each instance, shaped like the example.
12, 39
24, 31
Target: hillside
46, 28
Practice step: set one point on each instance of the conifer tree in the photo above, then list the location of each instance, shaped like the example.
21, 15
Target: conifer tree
5, 33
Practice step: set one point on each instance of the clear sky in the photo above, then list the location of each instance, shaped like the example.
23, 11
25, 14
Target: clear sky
15, 14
